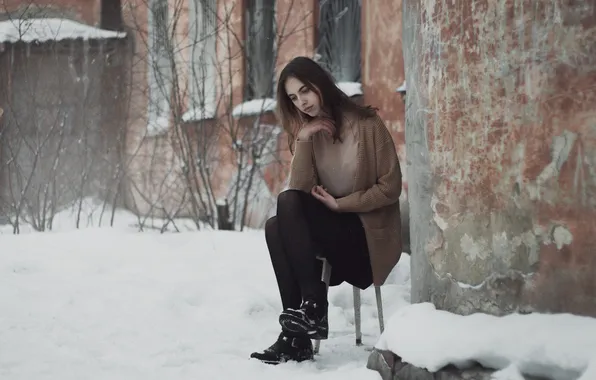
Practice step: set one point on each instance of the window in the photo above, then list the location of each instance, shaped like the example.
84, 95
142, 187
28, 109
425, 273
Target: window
260, 49
111, 14
202, 66
160, 68
338, 47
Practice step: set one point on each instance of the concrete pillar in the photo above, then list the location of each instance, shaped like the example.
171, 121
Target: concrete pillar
501, 147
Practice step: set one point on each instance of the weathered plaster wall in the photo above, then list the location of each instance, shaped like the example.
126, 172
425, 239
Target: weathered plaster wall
155, 167
501, 141
383, 64
296, 30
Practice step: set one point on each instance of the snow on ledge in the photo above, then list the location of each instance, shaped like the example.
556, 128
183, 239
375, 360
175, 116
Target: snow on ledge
401, 88
350, 88
158, 126
254, 107
50, 29
198, 113
554, 346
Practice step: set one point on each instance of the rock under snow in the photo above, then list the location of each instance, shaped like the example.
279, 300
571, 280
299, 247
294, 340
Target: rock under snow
517, 346
51, 29
392, 367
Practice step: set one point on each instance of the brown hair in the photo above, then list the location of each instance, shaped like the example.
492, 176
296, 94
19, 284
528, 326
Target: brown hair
317, 79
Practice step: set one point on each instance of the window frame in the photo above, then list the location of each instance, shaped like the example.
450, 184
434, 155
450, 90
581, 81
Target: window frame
343, 57
160, 72
202, 65
261, 70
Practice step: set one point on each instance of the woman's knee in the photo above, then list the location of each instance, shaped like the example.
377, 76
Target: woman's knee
271, 226
289, 200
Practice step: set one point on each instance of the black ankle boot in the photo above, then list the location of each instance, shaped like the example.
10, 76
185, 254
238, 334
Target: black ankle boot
286, 348
310, 320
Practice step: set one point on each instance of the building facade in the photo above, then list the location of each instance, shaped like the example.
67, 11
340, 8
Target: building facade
200, 128
228, 55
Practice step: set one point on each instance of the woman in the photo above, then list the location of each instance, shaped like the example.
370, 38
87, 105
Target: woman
342, 204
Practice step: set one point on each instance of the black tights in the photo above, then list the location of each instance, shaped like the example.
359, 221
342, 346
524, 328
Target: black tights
303, 229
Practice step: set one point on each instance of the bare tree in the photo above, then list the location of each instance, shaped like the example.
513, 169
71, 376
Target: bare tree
191, 103
161, 131
55, 148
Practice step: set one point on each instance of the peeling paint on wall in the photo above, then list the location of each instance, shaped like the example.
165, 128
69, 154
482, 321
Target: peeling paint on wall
501, 141
562, 236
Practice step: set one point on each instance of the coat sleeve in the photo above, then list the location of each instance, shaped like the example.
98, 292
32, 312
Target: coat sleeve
303, 173
389, 182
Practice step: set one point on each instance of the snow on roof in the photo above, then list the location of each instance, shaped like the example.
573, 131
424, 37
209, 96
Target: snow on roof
199, 113
401, 88
533, 344
350, 88
254, 107
50, 29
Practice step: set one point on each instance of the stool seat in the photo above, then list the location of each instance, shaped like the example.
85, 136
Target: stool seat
325, 277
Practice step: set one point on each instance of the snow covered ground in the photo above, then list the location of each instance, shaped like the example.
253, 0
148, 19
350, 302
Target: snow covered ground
113, 303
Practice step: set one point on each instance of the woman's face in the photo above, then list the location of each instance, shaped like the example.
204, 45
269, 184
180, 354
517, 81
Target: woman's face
305, 99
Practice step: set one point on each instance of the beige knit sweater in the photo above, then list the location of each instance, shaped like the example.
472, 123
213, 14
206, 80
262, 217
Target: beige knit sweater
375, 197
336, 161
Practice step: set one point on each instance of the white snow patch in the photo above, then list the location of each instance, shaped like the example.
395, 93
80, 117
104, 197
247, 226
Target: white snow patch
562, 236
350, 88
159, 126
555, 346
50, 29
221, 202
94, 213
463, 285
199, 113
254, 107
440, 221
511, 372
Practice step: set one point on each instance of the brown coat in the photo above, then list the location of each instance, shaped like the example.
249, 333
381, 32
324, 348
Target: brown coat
375, 198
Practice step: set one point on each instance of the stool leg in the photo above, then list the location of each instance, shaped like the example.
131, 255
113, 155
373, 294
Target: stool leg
357, 317
380, 308
325, 277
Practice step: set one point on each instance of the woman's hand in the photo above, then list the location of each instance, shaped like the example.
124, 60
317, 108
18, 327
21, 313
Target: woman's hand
316, 125
327, 199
